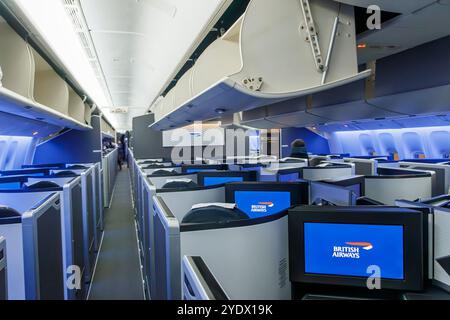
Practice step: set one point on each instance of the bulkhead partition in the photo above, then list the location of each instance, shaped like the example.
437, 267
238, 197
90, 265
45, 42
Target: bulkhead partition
249, 264
199, 283
392, 171
442, 174
388, 189
438, 242
364, 167
86, 235
35, 265
169, 209
3, 271
441, 251
145, 218
89, 204
334, 194
73, 224
334, 171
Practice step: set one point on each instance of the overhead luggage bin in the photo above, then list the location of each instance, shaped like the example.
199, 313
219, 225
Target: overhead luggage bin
275, 52
76, 106
30, 87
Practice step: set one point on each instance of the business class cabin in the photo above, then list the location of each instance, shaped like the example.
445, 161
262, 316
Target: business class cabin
224, 150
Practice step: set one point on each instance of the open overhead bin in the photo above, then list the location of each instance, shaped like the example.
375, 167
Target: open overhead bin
30, 87
278, 50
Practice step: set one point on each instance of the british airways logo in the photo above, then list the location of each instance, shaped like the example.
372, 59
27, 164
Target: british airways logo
351, 250
262, 207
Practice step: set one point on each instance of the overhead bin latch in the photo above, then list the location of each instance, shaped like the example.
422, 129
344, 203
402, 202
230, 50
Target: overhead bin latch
253, 84
312, 35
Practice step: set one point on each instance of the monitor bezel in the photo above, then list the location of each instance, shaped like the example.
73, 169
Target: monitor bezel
299, 190
217, 167
413, 233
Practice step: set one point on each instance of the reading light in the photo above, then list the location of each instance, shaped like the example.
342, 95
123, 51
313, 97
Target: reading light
35, 133
221, 111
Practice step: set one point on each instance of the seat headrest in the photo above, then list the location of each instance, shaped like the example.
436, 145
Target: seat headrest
322, 202
180, 184
77, 167
7, 212
164, 173
41, 185
214, 213
156, 165
291, 160
65, 174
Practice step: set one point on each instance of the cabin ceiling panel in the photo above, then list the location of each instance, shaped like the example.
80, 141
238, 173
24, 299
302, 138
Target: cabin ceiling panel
406, 32
402, 6
142, 43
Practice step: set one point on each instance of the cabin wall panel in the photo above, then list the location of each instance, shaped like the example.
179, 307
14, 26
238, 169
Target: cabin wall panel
314, 143
409, 143
72, 147
15, 151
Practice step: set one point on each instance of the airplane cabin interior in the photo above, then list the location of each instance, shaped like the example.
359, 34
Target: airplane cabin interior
192, 150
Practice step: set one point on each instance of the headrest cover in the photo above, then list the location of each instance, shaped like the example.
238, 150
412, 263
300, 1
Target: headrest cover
163, 173
214, 213
41, 185
7, 212
77, 167
229, 206
65, 174
322, 202
185, 180
174, 184
291, 160
156, 165
324, 165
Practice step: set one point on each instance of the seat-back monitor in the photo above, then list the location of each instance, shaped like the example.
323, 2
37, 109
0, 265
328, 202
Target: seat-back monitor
350, 249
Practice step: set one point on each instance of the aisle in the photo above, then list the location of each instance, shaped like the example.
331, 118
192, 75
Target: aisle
118, 272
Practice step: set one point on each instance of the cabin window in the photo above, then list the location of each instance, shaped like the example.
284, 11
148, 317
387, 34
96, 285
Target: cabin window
419, 155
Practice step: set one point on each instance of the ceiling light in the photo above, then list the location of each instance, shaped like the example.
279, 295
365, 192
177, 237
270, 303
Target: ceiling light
221, 111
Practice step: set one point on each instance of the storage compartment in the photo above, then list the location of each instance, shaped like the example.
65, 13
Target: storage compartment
76, 106
49, 89
17, 62
87, 114
30, 87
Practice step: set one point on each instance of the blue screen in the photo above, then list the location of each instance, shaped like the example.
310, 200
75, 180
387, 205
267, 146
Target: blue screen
349, 249
258, 204
291, 177
10, 186
212, 181
198, 170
